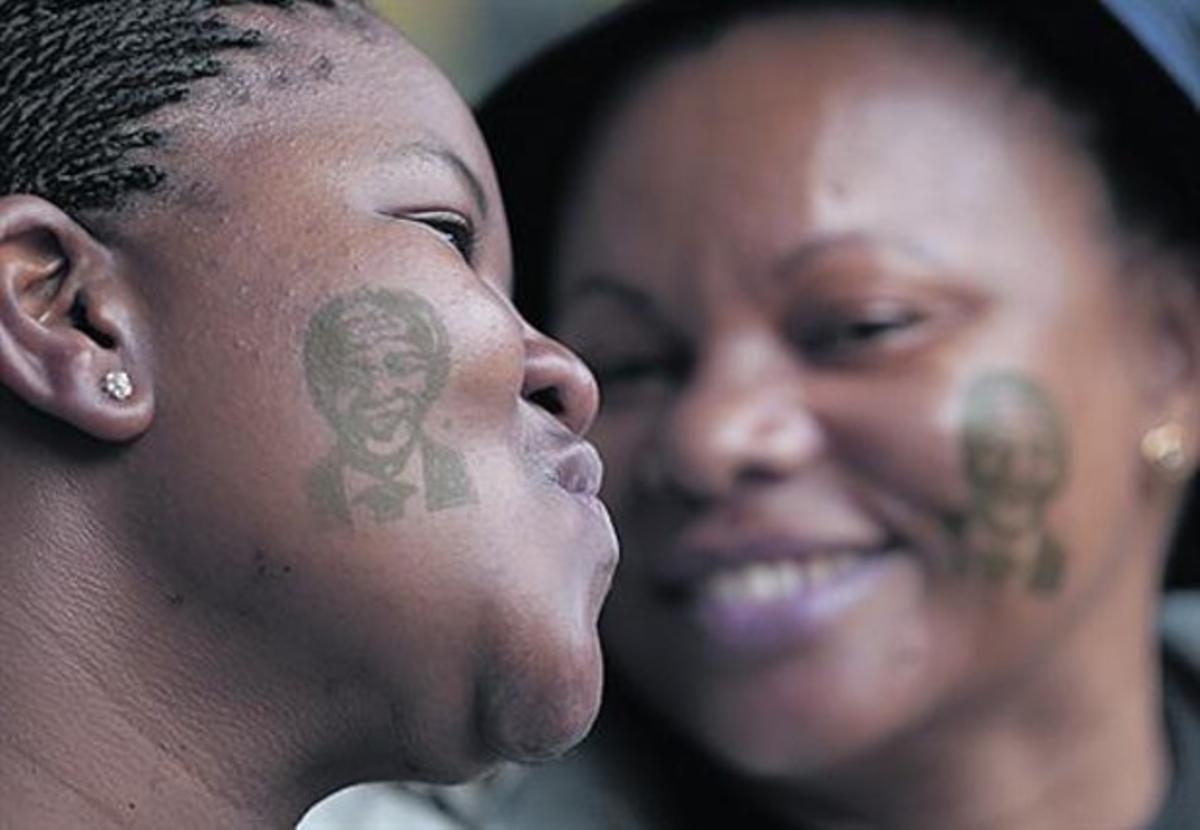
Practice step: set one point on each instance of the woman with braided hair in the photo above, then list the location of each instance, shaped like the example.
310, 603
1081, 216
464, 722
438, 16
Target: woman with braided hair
290, 496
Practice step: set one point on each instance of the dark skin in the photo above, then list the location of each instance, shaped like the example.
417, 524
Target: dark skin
198, 645
796, 295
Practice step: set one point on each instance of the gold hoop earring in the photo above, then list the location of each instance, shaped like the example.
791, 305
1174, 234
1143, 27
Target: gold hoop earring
1165, 449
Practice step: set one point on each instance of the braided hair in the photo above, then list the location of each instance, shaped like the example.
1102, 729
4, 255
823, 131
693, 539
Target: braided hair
78, 79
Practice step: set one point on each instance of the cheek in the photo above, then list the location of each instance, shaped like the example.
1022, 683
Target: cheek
1097, 503
901, 437
224, 480
482, 392
625, 438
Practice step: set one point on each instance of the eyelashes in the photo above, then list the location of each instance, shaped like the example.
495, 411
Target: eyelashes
458, 231
452, 228
837, 337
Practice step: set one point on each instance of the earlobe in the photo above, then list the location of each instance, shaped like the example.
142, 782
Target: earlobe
72, 330
1171, 378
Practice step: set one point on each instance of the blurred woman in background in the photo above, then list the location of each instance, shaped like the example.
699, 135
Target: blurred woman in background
896, 312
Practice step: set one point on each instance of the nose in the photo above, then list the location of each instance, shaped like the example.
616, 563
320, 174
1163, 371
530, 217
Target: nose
557, 381
744, 419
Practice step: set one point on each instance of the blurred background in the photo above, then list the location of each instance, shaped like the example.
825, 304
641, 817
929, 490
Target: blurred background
477, 41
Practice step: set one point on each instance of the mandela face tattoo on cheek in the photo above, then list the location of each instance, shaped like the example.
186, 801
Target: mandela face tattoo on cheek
376, 361
1015, 460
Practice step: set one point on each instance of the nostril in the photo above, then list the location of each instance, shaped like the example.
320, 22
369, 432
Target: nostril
549, 399
558, 383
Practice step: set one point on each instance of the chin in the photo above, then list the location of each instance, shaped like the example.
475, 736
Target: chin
792, 729
546, 706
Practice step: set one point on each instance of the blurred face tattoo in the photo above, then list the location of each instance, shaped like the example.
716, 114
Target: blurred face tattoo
1015, 460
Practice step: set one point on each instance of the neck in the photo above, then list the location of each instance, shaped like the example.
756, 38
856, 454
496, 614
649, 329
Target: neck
1086, 764
73, 754
121, 706
1074, 740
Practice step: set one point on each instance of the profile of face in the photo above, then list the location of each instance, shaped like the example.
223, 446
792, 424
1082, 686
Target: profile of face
858, 336
333, 336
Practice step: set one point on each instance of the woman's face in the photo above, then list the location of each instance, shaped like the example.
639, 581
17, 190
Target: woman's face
869, 413
346, 467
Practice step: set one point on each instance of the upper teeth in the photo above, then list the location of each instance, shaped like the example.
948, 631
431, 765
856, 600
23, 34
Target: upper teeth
770, 581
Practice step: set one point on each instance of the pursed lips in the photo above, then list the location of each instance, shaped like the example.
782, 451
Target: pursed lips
579, 470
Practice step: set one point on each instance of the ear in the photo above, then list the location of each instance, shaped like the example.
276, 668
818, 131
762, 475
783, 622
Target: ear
1170, 294
68, 318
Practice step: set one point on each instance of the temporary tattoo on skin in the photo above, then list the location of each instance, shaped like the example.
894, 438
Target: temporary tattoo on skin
376, 361
1015, 459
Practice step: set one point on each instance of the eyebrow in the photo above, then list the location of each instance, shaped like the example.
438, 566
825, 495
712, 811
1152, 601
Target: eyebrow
627, 295
427, 152
812, 251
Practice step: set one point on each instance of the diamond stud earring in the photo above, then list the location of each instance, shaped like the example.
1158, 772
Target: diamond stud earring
117, 385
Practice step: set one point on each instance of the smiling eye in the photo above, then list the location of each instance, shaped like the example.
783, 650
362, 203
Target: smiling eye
456, 230
835, 338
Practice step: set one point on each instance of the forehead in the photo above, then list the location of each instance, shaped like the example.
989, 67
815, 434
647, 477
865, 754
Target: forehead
328, 92
829, 123
798, 74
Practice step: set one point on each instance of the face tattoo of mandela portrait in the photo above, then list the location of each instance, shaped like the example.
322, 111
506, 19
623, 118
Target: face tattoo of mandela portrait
376, 360
1015, 458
